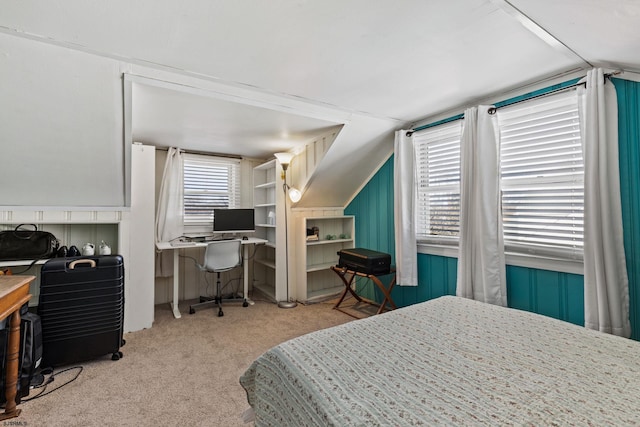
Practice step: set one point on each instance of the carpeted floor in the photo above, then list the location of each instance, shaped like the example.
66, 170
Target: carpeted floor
179, 372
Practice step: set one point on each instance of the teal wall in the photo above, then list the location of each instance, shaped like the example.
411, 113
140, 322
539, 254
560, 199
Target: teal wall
555, 294
629, 146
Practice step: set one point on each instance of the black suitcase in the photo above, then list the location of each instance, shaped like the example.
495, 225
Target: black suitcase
365, 261
81, 307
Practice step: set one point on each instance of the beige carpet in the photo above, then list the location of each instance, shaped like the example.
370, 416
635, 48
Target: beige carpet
179, 372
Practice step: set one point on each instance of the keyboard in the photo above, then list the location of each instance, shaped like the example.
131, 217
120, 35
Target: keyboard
179, 243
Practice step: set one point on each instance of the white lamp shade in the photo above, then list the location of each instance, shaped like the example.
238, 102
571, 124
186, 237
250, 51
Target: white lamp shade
284, 158
295, 195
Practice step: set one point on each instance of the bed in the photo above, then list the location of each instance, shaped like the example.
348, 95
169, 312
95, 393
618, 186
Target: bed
448, 361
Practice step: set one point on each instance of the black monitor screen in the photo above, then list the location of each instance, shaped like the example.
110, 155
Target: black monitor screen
233, 220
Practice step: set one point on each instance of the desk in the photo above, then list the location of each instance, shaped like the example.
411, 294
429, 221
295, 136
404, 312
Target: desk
348, 282
14, 293
163, 246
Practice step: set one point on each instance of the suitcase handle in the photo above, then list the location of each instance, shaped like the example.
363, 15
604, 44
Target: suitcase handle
73, 264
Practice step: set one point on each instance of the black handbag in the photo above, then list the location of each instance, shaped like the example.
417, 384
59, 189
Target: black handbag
21, 244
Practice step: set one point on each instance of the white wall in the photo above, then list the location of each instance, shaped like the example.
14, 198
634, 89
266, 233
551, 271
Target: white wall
61, 134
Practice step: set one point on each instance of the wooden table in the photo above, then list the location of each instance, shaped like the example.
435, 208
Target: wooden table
348, 282
14, 293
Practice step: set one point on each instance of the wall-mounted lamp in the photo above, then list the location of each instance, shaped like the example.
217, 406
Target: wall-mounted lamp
294, 195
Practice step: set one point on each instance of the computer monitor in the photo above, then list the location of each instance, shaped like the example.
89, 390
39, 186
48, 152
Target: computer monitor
233, 221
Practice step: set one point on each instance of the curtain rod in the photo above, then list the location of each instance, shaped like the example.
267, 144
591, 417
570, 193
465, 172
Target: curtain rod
516, 100
493, 110
202, 153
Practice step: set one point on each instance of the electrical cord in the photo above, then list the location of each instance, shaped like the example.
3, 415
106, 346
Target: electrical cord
224, 286
50, 379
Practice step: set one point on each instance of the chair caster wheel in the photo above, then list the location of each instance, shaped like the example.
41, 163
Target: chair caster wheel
191, 310
245, 304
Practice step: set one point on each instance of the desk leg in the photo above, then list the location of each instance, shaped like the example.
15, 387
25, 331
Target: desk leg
176, 284
245, 266
13, 352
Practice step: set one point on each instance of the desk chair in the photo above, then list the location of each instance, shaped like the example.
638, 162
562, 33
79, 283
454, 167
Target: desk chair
219, 256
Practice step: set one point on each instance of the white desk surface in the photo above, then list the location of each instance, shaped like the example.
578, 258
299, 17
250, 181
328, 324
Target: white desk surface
166, 246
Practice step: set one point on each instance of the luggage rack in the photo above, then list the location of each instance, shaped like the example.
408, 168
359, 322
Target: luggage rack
387, 302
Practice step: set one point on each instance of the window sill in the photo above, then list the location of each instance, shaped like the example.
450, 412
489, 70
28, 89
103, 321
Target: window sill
511, 258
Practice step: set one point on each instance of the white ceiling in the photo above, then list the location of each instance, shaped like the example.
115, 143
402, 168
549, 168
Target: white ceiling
285, 71
166, 117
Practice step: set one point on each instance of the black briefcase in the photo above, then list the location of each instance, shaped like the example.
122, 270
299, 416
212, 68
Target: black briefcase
365, 261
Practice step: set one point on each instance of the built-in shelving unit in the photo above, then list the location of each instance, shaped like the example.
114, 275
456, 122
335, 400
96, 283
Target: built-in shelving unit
269, 205
314, 279
70, 227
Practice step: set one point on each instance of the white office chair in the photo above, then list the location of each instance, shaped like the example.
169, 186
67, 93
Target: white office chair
219, 256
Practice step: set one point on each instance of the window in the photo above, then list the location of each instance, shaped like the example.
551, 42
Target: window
209, 183
438, 179
542, 178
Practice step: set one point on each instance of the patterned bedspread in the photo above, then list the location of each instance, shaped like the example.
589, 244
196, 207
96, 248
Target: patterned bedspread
449, 361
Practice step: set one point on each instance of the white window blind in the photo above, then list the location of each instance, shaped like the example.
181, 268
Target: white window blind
543, 176
438, 179
209, 183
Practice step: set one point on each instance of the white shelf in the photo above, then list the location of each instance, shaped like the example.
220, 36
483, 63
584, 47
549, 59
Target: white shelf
87, 216
320, 267
269, 205
22, 262
267, 262
265, 288
325, 294
314, 279
271, 184
327, 242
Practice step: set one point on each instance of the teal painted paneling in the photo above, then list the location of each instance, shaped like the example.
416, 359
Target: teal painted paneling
373, 209
520, 288
554, 294
575, 298
436, 276
559, 295
629, 150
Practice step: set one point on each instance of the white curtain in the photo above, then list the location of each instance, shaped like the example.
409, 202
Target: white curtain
405, 210
606, 286
169, 216
481, 264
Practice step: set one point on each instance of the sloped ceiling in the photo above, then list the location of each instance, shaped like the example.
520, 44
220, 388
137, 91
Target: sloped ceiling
372, 66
